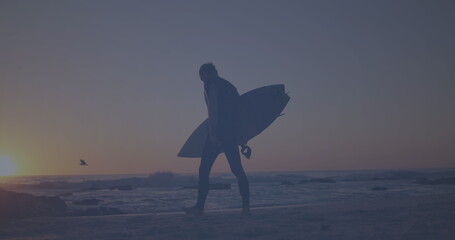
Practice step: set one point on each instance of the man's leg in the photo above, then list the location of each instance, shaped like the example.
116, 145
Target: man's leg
208, 158
233, 156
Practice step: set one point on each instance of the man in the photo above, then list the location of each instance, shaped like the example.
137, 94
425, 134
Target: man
222, 99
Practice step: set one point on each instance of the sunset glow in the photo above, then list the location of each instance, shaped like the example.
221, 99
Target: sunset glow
7, 166
118, 85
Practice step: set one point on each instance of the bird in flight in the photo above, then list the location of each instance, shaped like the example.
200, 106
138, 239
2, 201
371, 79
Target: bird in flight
83, 163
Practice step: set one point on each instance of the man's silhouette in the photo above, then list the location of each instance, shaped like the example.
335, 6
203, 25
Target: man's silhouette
222, 100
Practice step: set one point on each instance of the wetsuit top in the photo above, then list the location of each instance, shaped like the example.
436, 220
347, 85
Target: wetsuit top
222, 100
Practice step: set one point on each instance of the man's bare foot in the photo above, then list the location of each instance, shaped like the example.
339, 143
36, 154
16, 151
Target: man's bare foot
246, 212
193, 211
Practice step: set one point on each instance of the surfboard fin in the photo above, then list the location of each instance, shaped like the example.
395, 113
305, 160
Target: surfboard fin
246, 151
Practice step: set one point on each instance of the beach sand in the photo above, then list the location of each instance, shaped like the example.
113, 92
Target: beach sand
423, 217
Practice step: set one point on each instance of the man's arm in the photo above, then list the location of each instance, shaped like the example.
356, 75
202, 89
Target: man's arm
212, 106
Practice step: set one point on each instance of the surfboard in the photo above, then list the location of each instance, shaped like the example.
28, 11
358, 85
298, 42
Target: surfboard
258, 109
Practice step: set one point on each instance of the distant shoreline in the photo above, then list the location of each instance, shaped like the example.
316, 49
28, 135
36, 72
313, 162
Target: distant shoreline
249, 172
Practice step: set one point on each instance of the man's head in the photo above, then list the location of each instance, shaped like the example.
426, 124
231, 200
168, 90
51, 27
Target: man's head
207, 71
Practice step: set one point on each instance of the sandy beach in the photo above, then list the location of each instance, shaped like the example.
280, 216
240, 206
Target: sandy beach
423, 217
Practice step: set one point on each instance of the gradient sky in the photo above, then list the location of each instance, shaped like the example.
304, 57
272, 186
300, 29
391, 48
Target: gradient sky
115, 82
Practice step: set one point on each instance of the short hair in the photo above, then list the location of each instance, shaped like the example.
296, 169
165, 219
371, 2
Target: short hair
208, 68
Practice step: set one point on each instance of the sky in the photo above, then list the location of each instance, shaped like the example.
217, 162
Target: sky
116, 82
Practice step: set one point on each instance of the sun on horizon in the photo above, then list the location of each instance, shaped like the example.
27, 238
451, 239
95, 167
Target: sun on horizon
7, 166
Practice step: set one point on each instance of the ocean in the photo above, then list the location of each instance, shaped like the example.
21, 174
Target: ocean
169, 192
